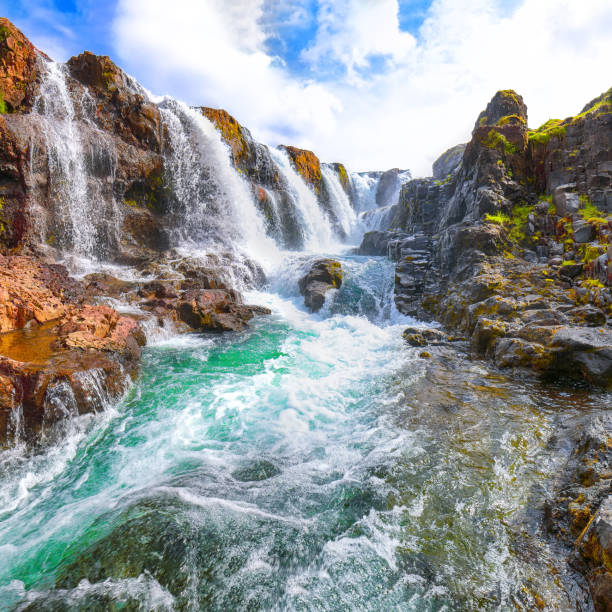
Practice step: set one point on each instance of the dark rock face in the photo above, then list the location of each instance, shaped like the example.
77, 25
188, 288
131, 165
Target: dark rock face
487, 214
388, 185
377, 242
448, 162
324, 275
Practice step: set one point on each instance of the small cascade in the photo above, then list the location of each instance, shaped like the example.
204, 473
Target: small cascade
339, 201
212, 203
315, 225
378, 218
86, 216
364, 188
269, 201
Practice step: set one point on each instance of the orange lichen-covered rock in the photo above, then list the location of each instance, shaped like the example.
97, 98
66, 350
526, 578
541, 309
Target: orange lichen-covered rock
307, 165
57, 355
18, 69
32, 291
231, 131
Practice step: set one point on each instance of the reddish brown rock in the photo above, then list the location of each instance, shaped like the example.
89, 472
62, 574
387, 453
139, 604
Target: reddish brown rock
121, 107
34, 292
307, 165
57, 355
18, 69
215, 310
231, 131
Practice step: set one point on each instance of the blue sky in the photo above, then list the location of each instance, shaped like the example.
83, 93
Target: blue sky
372, 83
77, 25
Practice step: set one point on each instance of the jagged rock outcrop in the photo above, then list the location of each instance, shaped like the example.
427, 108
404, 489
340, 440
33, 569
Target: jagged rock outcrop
121, 107
307, 165
18, 69
448, 162
323, 275
490, 207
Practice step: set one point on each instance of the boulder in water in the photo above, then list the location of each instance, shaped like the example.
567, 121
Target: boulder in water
215, 310
325, 274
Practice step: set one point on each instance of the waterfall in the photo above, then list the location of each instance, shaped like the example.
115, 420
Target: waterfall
339, 201
213, 204
378, 218
364, 187
315, 225
86, 214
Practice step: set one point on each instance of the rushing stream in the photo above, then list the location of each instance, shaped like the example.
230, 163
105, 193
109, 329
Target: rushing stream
312, 462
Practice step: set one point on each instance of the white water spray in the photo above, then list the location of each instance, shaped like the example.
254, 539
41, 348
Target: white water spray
86, 214
215, 203
339, 201
315, 224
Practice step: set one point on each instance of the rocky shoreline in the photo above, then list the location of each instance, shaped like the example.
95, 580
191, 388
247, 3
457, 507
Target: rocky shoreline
510, 246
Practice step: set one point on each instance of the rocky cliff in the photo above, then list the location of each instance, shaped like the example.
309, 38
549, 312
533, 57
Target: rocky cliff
511, 246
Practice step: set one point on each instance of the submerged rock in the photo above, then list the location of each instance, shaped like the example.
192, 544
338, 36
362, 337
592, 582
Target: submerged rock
324, 275
416, 336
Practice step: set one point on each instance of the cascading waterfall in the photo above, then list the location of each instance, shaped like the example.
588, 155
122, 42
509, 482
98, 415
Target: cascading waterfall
214, 203
85, 213
378, 218
364, 187
276, 221
339, 201
315, 224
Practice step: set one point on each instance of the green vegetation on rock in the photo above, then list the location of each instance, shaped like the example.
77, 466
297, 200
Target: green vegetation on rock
496, 140
553, 128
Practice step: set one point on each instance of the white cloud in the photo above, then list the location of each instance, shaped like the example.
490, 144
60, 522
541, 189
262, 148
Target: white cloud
554, 52
350, 33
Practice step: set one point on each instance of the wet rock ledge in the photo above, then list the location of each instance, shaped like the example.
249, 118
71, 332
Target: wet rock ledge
63, 353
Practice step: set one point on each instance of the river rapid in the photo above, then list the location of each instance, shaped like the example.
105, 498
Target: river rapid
312, 462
